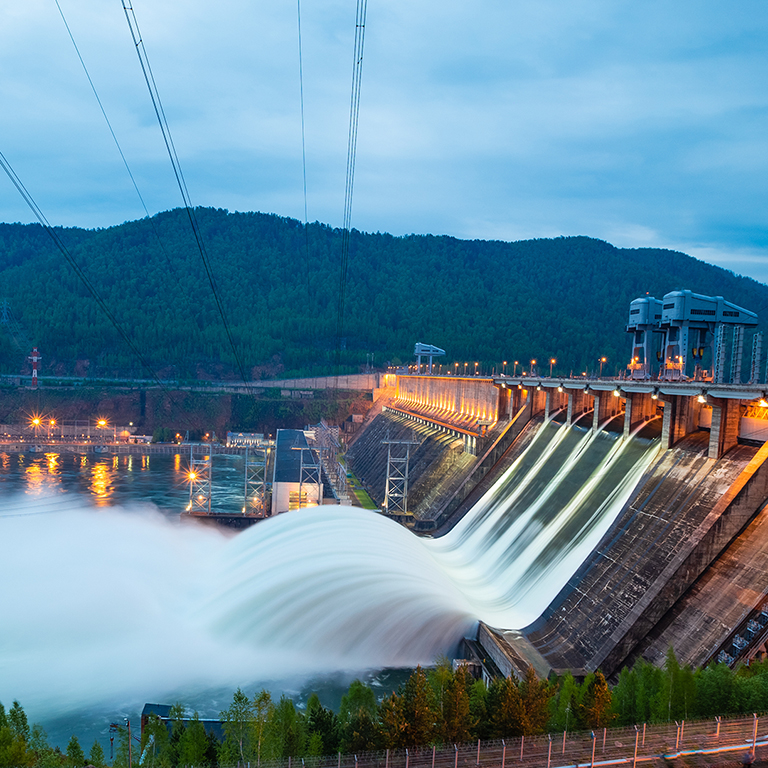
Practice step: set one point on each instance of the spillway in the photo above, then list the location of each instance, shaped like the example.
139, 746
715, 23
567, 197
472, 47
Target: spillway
305, 592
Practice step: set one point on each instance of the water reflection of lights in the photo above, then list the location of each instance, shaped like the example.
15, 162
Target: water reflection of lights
53, 463
35, 479
101, 483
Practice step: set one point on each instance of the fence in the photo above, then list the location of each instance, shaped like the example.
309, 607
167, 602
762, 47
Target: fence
606, 747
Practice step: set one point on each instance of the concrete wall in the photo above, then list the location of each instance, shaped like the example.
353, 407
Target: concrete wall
474, 397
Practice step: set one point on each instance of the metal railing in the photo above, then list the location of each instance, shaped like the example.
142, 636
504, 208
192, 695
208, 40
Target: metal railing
604, 747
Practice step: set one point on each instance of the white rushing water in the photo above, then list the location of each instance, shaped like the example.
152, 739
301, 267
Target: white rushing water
122, 604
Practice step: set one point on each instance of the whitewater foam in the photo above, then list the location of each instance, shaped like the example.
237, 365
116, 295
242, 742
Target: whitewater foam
122, 603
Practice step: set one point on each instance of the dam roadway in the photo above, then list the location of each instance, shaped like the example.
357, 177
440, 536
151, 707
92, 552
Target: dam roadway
687, 539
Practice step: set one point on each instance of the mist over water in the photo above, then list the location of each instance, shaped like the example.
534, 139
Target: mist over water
124, 604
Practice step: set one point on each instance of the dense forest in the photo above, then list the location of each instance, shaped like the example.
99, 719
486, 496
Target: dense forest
279, 283
440, 706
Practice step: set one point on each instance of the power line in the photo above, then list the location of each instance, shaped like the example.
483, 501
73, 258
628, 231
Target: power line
303, 149
114, 137
354, 115
154, 94
53, 234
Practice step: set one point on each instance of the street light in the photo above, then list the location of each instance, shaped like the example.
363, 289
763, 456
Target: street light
602, 360
533, 363
505, 367
476, 372
465, 368
551, 363
514, 372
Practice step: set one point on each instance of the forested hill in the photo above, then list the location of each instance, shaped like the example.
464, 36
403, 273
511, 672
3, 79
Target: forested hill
483, 301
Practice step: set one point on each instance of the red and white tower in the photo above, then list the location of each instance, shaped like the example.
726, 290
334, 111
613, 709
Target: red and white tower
35, 358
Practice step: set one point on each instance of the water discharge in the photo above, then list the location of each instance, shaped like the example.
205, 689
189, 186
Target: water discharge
120, 604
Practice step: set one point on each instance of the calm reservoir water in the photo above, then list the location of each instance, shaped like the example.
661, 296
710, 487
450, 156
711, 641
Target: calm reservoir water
111, 480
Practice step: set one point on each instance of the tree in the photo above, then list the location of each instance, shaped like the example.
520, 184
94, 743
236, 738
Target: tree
322, 728
595, 710
238, 726
358, 696
419, 710
506, 708
17, 719
478, 710
362, 733
96, 756
625, 698
176, 717
75, 754
154, 742
193, 745
262, 710
440, 678
393, 724
458, 723
714, 687
284, 732
13, 750
124, 749
565, 703
535, 696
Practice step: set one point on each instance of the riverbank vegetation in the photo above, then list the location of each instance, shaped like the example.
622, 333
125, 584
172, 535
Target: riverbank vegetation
441, 705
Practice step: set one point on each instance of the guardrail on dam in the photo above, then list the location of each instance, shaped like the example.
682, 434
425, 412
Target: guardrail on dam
690, 532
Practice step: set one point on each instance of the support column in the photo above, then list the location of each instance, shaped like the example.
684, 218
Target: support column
640, 407
539, 400
554, 402
504, 403
606, 405
724, 432
681, 417
667, 421
577, 404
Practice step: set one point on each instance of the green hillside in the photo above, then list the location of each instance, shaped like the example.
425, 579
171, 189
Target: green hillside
481, 301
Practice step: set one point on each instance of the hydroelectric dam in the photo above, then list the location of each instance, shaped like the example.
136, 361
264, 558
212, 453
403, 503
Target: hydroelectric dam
601, 520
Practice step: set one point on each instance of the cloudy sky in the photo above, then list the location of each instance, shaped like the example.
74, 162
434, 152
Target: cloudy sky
641, 122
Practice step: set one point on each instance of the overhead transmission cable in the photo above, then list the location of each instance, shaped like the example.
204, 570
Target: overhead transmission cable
54, 235
354, 115
114, 137
154, 94
303, 149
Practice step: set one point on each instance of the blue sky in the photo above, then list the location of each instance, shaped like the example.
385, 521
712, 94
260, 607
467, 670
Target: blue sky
642, 123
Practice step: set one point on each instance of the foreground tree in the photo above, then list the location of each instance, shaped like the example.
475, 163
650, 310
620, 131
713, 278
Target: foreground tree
193, 744
419, 710
506, 708
535, 696
75, 754
595, 707
96, 756
238, 721
458, 724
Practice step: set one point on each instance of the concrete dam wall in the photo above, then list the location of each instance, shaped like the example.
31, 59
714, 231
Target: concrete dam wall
681, 561
683, 514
